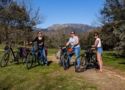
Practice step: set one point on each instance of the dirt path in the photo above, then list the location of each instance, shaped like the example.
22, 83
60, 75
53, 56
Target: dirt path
110, 79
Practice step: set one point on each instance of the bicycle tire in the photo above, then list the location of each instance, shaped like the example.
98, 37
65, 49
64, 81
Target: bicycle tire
94, 60
39, 58
18, 58
65, 61
61, 60
29, 60
82, 63
2, 64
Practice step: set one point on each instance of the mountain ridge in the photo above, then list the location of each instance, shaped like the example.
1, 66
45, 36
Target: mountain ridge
78, 28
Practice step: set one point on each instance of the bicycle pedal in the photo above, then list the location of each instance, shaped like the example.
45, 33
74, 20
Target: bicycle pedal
11, 61
36, 60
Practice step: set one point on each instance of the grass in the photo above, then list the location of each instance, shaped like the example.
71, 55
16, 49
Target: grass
109, 59
16, 77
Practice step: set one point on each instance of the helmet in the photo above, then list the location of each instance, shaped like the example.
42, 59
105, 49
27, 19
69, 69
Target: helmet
70, 50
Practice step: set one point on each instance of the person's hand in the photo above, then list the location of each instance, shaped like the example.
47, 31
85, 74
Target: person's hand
40, 44
64, 47
91, 49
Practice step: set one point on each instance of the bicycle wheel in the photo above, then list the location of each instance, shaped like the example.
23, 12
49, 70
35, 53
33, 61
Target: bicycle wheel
61, 60
82, 63
18, 58
94, 61
65, 61
38, 57
4, 60
29, 60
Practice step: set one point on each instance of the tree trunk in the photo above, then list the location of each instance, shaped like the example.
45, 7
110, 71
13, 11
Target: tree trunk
24, 43
0, 39
7, 39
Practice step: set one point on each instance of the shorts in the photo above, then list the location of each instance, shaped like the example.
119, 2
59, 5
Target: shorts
100, 50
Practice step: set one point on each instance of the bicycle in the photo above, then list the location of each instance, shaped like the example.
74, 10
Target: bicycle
87, 60
61, 55
6, 56
65, 58
33, 56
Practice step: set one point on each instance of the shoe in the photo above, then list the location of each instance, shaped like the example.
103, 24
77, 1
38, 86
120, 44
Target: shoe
99, 71
66, 67
47, 64
42, 64
78, 67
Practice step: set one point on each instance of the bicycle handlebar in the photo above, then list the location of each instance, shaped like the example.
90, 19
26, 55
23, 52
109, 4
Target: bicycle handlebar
11, 45
31, 44
87, 46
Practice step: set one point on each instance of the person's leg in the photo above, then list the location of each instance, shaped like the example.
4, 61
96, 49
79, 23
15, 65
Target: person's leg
99, 60
70, 55
40, 52
101, 63
77, 52
44, 55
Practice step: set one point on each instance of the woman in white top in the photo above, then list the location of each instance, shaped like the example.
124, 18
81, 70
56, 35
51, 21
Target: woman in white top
99, 50
74, 41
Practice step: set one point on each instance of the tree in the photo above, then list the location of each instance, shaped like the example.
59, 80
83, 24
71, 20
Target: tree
60, 36
5, 16
18, 19
30, 17
112, 15
113, 10
120, 44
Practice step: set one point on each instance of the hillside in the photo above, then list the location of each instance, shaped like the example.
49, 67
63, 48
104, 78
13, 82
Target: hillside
78, 28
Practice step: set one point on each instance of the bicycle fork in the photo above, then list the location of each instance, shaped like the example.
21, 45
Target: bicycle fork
13, 56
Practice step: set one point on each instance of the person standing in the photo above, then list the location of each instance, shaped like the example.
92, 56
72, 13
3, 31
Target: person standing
74, 41
99, 50
41, 48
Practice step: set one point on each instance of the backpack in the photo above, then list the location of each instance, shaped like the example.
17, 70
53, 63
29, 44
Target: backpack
58, 54
25, 52
46, 52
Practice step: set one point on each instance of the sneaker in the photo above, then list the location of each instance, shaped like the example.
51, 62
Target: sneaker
66, 67
78, 67
42, 64
99, 71
47, 64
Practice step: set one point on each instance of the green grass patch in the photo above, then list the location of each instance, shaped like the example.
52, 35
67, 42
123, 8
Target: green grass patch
109, 58
16, 77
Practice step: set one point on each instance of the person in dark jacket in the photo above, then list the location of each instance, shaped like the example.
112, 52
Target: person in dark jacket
41, 48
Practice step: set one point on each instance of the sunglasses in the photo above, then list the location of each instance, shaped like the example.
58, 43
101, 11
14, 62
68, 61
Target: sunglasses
95, 35
39, 33
72, 33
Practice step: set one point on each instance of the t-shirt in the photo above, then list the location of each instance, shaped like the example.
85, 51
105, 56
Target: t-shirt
73, 41
99, 44
39, 41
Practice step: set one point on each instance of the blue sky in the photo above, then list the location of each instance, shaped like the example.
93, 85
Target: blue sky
68, 11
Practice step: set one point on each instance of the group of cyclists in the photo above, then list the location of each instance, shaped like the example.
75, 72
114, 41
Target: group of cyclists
74, 41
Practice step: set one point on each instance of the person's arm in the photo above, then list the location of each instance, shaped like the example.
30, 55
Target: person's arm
42, 42
67, 43
34, 40
77, 42
96, 43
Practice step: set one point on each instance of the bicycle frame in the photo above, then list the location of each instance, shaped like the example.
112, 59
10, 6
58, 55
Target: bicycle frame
10, 50
33, 50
